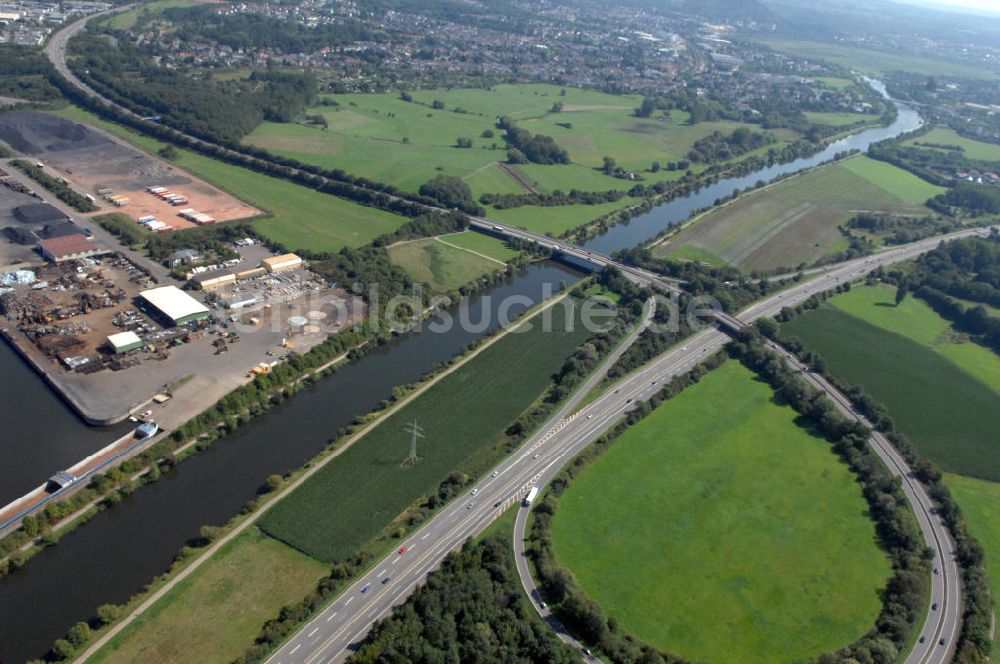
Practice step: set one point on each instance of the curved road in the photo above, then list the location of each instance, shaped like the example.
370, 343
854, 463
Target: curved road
330, 636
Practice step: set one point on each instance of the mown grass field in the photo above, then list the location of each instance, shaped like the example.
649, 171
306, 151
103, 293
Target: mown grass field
980, 503
971, 148
442, 267
559, 219
839, 119
300, 218
382, 137
796, 221
834, 82
719, 530
942, 393
492, 179
483, 244
220, 607
403, 143
876, 62
351, 500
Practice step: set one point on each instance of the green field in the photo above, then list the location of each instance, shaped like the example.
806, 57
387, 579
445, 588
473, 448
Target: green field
796, 221
943, 393
972, 149
482, 244
719, 530
557, 220
300, 218
220, 607
382, 137
839, 119
351, 500
441, 266
492, 179
876, 62
385, 138
835, 83
980, 503
127, 19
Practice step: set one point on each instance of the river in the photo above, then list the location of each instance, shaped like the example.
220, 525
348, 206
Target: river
647, 226
114, 555
41, 434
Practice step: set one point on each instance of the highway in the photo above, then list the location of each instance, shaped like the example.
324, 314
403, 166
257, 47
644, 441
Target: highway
329, 636
945, 622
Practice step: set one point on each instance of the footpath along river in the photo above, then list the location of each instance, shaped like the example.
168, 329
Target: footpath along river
115, 554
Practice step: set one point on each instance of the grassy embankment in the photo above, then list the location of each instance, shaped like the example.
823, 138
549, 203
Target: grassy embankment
221, 606
942, 391
447, 262
796, 221
745, 537
300, 217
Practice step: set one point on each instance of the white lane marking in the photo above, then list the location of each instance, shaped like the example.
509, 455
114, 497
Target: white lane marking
383, 571
332, 616
425, 536
372, 613
395, 560
309, 635
294, 649
349, 600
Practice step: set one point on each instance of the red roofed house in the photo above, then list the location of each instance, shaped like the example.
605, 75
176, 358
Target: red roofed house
69, 247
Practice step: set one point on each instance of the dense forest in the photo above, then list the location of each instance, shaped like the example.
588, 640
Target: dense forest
451, 192
955, 274
471, 610
219, 110
246, 30
24, 74
974, 199
719, 147
527, 147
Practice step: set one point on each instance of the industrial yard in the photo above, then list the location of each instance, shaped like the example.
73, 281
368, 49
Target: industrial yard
110, 339
118, 175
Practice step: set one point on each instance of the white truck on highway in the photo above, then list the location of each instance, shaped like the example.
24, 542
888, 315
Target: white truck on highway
531, 496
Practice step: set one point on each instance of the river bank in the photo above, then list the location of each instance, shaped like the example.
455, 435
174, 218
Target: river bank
97, 564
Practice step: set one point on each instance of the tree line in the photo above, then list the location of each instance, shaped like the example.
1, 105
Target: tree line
526, 147
553, 199
61, 190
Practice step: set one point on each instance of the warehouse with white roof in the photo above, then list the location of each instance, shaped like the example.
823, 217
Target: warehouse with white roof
174, 305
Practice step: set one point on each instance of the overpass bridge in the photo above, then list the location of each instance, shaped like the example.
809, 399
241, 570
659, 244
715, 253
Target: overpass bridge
577, 256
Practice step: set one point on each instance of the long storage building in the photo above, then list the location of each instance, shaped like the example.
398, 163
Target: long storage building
173, 305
